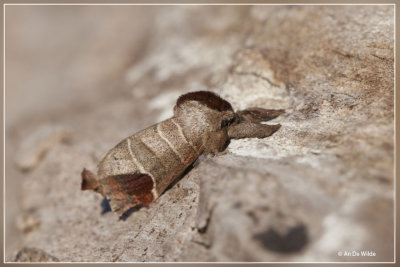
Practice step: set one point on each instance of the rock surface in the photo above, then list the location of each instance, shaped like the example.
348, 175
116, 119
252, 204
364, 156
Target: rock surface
321, 185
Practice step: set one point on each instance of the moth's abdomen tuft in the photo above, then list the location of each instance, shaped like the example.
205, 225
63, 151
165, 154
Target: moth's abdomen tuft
89, 181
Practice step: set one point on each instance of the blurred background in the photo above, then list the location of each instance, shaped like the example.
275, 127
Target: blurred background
81, 78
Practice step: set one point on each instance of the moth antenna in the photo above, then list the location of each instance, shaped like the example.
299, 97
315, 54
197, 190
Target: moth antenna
259, 114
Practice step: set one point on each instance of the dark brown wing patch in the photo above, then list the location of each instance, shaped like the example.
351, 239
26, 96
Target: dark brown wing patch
138, 185
209, 99
128, 190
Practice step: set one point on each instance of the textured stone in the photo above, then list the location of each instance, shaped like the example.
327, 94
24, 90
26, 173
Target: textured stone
34, 255
320, 185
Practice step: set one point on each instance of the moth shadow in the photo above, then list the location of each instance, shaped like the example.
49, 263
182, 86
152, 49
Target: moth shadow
105, 205
185, 172
129, 212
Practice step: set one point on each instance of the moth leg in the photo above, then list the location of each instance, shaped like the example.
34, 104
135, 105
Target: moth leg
215, 142
259, 114
251, 130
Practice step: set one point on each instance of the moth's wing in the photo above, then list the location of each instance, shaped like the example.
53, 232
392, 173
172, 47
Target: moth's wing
128, 190
259, 114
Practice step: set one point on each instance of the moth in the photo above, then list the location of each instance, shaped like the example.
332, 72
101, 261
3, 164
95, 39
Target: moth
141, 167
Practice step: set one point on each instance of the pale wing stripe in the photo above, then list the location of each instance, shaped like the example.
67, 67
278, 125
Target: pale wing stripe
141, 168
183, 135
137, 163
152, 151
169, 144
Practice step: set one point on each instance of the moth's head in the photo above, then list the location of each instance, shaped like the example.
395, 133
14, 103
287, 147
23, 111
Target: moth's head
205, 107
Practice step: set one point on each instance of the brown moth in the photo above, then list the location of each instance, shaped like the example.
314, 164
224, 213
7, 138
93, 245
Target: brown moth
141, 167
